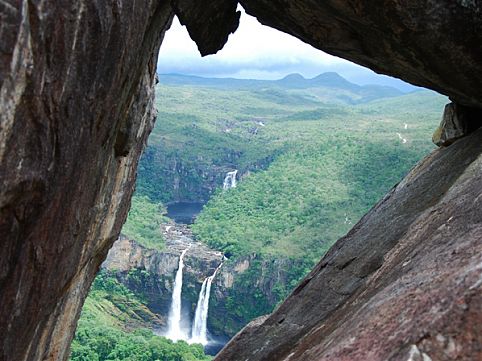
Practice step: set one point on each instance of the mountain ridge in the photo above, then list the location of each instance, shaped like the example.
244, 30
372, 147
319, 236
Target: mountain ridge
294, 81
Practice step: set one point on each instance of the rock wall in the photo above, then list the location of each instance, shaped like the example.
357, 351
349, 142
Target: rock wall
150, 273
76, 91
242, 290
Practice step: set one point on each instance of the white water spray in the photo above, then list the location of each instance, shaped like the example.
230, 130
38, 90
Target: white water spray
199, 328
230, 180
401, 138
175, 331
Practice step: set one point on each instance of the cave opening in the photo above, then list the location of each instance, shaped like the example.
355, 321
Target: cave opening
221, 117
76, 94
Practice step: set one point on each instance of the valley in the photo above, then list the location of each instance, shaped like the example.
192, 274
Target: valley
268, 174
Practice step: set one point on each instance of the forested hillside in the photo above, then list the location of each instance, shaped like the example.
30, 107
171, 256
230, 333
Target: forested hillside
312, 157
331, 172
207, 127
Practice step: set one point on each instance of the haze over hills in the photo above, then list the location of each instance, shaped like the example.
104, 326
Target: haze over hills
353, 93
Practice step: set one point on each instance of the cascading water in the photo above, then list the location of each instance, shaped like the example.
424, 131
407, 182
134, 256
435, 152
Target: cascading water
199, 328
175, 331
230, 180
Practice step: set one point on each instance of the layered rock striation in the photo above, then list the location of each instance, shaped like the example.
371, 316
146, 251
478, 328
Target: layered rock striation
76, 82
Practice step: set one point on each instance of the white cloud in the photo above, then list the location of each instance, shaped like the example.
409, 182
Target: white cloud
257, 51
252, 43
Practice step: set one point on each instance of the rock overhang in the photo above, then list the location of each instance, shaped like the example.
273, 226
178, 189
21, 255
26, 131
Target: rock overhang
428, 44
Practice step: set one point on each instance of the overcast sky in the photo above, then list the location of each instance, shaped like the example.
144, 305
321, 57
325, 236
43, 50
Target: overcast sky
258, 52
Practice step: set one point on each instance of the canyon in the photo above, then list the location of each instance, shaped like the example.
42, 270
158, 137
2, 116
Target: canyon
76, 93
150, 274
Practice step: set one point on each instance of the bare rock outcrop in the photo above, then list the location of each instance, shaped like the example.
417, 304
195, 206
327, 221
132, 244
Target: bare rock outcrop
76, 92
457, 122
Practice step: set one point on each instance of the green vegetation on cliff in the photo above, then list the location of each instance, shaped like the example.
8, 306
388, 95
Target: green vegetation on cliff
143, 222
274, 278
305, 200
109, 312
333, 167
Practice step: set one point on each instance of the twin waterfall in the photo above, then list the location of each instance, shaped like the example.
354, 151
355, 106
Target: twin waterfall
175, 330
199, 328
230, 180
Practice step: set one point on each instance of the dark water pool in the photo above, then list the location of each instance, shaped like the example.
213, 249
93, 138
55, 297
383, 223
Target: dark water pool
184, 212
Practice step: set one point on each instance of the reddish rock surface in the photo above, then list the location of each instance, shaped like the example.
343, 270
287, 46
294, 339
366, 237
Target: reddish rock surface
76, 82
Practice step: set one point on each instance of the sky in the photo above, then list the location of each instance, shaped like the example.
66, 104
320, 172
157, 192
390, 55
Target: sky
256, 51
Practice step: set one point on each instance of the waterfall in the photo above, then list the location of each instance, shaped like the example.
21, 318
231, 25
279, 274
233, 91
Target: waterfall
199, 328
230, 180
401, 138
175, 331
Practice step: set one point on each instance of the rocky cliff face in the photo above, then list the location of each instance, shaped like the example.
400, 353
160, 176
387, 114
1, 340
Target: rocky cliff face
193, 180
403, 284
76, 108
150, 273
75, 97
242, 289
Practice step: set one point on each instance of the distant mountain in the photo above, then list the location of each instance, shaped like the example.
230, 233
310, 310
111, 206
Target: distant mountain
342, 89
231, 83
325, 80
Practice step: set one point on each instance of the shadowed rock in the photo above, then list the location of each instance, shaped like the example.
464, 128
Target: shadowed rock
209, 23
457, 122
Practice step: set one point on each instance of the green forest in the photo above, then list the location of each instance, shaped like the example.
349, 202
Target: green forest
142, 224
311, 160
108, 329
